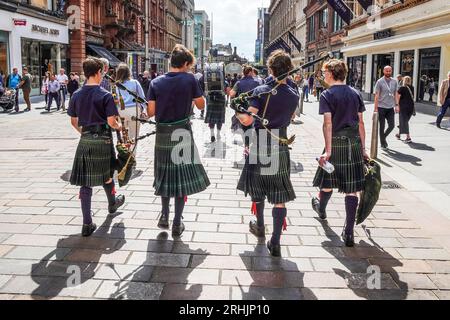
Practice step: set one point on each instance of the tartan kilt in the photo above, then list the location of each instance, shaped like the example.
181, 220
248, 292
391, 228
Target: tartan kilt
348, 160
95, 161
269, 181
177, 179
215, 110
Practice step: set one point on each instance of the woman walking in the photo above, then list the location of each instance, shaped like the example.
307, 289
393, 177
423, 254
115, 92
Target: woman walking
407, 110
73, 84
178, 169
266, 174
344, 134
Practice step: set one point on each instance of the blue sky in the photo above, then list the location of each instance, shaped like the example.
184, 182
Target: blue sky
234, 21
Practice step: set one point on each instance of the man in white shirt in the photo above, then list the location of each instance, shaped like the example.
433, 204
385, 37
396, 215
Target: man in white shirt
63, 81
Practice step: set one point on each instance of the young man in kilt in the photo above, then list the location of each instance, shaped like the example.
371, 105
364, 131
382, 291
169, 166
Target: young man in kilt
344, 133
93, 114
178, 170
266, 174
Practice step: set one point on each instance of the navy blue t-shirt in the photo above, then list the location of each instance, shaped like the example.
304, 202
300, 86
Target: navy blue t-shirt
92, 105
281, 106
173, 94
245, 85
344, 103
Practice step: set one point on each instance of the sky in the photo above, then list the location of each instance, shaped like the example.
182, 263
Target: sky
234, 21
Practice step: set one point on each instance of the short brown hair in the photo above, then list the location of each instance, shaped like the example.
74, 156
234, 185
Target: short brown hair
337, 68
123, 73
180, 56
91, 66
280, 63
247, 70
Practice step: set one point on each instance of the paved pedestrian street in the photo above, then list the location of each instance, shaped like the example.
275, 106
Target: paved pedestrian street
402, 250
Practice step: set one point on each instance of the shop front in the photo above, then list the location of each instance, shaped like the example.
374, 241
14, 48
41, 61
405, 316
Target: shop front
38, 44
357, 72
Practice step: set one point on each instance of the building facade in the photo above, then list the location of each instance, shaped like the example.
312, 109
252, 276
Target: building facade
324, 30
202, 36
262, 40
298, 57
188, 24
33, 34
174, 23
413, 37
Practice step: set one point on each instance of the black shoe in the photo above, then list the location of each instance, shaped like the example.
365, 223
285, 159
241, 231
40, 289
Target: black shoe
315, 202
384, 145
120, 200
438, 125
177, 231
275, 250
259, 232
27, 109
349, 240
213, 139
163, 222
88, 229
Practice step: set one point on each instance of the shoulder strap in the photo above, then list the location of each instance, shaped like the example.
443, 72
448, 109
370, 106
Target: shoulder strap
410, 92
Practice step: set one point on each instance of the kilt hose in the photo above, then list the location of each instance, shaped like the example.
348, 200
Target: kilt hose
95, 160
347, 158
177, 178
215, 110
267, 170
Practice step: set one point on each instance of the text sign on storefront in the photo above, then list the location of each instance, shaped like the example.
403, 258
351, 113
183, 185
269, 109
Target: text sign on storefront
54, 32
382, 34
20, 22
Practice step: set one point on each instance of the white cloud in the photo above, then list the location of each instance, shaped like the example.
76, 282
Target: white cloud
234, 21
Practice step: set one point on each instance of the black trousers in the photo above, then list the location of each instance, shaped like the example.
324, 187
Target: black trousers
389, 116
404, 122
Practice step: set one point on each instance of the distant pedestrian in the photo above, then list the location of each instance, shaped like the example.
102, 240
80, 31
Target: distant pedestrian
73, 84
431, 89
44, 88
386, 104
443, 99
407, 110
344, 133
311, 83
63, 80
105, 84
399, 80
318, 85
53, 92
25, 85
12, 82
422, 87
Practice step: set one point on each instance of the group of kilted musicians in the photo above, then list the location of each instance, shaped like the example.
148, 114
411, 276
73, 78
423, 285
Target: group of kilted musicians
95, 113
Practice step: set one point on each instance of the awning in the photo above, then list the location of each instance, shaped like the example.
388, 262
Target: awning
105, 53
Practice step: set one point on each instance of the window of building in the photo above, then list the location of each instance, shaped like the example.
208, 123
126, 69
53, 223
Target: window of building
323, 18
407, 63
379, 62
429, 69
357, 72
4, 52
337, 22
311, 29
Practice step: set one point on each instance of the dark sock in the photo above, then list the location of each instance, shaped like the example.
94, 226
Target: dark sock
259, 213
278, 214
351, 205
110, 191
324, 199
85, 197
165, 201
179, 207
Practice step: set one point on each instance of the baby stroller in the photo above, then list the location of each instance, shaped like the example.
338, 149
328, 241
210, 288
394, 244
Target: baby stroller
8, 100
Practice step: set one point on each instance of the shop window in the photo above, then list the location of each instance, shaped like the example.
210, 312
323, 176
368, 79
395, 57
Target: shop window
4, 53
357, 72
379, 62
43, 4
407, 63
429, 69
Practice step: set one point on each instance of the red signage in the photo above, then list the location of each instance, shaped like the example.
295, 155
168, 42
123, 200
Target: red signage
20, 22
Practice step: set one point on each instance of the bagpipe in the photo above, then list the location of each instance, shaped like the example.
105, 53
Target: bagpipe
240, 104
126, 147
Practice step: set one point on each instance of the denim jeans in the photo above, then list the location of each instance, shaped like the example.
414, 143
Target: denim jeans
443, 111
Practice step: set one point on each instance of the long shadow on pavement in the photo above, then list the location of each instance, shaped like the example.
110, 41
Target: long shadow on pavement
402, 157
69, 271
357, 261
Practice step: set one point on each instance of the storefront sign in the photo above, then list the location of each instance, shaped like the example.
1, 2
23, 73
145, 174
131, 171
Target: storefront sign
46, 30
20, 22
382, 34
